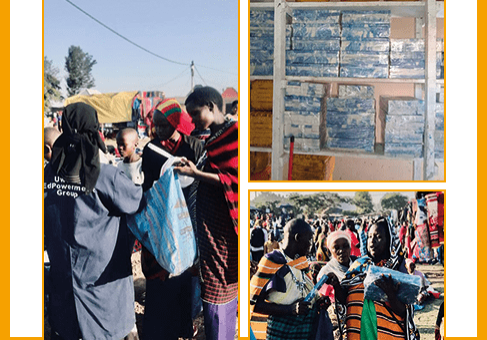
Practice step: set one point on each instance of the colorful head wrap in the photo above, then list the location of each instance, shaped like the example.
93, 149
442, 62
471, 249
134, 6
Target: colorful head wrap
177, 117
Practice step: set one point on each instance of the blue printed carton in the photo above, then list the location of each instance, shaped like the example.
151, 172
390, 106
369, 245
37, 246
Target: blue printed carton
304, 116
257, 44
312, 57
316, 16
312, 70
413, 45
364, 71
410, 138
403, 149
408, 58
351, 144
303, 126
261, 32
351, 133
405, 120
365, 31
356, 91
300, 44
356, 59
303, 144
302, 103
313, 31
306, 89
258, 69
350, 105
349, 121
261, 17
365, 17
376, 45
402, 105
262, 56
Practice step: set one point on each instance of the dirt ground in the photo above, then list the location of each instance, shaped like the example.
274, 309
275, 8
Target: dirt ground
139, 285
426, 319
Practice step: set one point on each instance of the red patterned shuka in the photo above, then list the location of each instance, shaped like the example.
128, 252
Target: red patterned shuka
222, 149
217, 226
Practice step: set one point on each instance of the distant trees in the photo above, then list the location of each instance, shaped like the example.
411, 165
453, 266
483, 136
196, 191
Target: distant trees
78, 65
52, 87
393, 200
329, 203
363, 201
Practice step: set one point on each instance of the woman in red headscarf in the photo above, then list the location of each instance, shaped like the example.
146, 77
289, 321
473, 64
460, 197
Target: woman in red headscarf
168, 299
172, 128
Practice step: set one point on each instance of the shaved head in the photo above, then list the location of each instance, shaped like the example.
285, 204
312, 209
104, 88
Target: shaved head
50, 135
296, 226
297, 238
129, 133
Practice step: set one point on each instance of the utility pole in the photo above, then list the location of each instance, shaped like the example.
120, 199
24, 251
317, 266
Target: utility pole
192, 75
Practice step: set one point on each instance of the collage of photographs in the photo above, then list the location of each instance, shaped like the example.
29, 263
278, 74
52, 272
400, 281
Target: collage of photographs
293, 191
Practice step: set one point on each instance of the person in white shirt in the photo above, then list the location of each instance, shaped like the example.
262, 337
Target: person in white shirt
127, 141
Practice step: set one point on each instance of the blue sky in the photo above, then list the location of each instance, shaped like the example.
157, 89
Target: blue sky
203, 31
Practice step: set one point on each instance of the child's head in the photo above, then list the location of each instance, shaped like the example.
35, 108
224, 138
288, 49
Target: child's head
410, 266
235, 108
127, 141
50, 136
205, 106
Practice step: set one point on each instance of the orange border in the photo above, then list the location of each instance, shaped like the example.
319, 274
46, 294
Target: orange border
326, 190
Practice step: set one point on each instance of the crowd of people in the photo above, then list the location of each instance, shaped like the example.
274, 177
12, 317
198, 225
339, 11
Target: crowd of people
342, 250
89, 286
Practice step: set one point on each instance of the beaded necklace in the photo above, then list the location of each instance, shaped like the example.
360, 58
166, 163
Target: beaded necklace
300, 285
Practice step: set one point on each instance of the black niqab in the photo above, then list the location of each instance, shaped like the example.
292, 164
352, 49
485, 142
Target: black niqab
75, 154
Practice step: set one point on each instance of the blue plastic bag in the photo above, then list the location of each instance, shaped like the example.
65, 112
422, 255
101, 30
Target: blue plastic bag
409, 288
164, 227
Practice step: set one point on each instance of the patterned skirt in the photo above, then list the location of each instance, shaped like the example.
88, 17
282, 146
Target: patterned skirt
218, 246
293, 327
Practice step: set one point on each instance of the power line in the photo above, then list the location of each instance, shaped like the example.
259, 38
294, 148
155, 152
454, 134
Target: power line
137, 45
214, 69
169, 81
126, 39
200, 76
